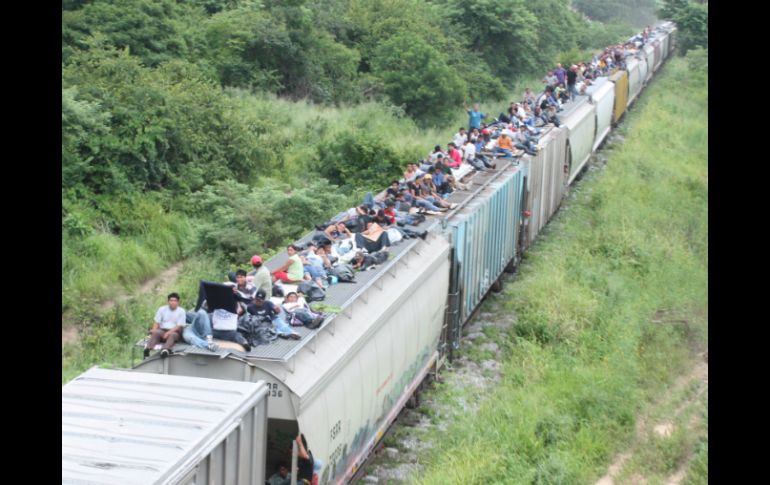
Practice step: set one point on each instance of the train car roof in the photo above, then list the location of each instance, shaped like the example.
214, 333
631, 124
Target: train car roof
122, 427
342, 295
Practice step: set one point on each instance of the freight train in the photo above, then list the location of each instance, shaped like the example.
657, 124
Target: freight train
344, 384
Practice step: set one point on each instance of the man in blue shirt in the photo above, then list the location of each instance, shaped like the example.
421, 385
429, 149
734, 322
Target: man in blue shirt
474, 117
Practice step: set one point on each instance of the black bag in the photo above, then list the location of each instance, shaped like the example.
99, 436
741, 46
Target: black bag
255, 330
311, 291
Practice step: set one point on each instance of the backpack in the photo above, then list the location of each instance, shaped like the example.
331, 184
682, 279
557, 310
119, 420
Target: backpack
344, 273
394, 235
311, 291
255, 330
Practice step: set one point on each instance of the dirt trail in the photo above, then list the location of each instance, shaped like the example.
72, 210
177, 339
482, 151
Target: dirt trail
664, 429
69, 334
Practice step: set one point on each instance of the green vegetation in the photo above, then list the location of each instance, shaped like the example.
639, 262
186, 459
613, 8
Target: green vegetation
692, 20
611, 306
214, 129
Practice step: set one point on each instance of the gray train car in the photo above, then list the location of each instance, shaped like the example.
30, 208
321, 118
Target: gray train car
545, 183
125, 428
635, 78
649, 57
602, 95
580, 120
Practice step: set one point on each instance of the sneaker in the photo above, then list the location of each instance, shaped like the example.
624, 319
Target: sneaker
146, 352
294, 336
433, 213
164, 353
452, 205
316, 322
213, 346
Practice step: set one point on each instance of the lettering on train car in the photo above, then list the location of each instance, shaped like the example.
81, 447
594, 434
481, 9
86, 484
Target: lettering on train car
274, 391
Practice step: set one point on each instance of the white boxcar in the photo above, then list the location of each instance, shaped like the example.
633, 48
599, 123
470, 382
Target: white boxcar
602, 95
123, 428
635, 79
581, 123
649, 55
346, 385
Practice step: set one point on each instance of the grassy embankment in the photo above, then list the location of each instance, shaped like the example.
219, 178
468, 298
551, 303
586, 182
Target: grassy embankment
611, 307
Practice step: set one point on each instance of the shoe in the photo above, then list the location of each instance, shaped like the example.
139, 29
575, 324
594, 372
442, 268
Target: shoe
452, 205
422, 235
316, 322
294, 336
146, 353
165, 353
433, 213
213, 346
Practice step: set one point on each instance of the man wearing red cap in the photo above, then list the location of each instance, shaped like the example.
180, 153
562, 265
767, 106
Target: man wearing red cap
262, 279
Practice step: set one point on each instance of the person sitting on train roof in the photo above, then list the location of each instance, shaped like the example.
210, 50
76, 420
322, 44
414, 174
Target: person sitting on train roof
242, 289
504, 146
291, 271
224, 326
549, 116
455, 156
167, 326
260, 274
313, 265
280, 477
270, 312
425, 190
529, 97
474, 135
198, 331
525, 141
412, 172
436, 153
460, 137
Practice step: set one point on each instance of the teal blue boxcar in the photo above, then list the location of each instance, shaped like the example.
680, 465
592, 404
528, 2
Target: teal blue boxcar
484, 234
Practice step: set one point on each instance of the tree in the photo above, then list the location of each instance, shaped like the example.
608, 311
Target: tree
416, 75
692, 22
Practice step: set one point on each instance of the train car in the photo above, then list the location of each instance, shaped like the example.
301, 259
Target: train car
579, 118
641, 59
344, 383
649, 57
545, 182
122, 427
602, 95
620, 79
635, 79
484, 234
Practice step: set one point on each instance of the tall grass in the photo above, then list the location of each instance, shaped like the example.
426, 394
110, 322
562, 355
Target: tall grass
611, 305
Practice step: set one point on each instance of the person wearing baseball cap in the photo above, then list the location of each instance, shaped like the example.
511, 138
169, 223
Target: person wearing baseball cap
262, 279
266, 310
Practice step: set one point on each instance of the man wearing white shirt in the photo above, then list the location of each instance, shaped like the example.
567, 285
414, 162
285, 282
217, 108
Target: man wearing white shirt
167, 326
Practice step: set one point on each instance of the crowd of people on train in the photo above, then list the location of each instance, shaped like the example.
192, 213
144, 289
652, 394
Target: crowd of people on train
268, 304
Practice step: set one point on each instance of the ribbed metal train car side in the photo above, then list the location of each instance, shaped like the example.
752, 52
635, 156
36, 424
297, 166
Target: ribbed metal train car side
121, 427
484, 236
581, 122
643, 68
635, 79
620, 78
545, 182
345, 387
656, 44
649, 56
602, 95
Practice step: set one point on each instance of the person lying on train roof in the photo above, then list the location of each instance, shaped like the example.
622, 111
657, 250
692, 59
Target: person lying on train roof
224, 325
373, 239
198, 331
167, 326
270, 312
313, 265
298, 312
338, 231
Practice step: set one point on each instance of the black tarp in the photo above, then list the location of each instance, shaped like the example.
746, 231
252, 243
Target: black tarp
216, 296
